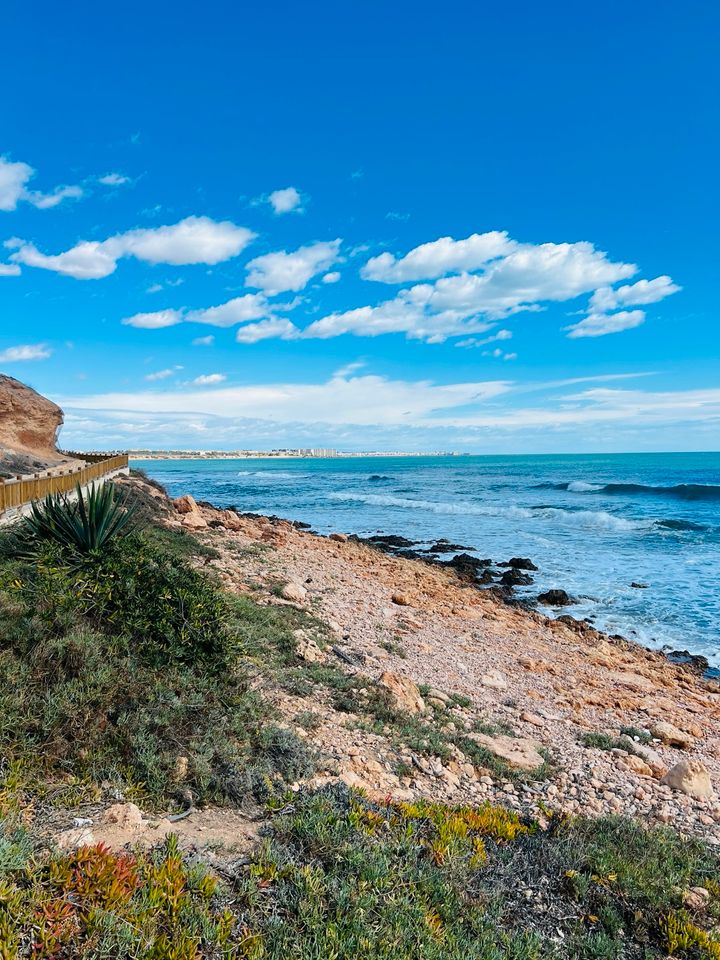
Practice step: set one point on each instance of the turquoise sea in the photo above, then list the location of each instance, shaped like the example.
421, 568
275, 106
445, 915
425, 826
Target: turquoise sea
593, 524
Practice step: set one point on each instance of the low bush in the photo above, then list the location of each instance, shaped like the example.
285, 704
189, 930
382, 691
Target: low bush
85, 524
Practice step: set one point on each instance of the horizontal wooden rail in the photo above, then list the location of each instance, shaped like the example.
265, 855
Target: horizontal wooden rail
18, 492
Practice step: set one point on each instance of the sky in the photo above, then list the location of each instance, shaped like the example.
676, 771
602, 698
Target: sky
406, 226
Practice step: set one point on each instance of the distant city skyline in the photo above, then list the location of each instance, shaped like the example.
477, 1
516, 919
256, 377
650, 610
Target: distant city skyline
365, 226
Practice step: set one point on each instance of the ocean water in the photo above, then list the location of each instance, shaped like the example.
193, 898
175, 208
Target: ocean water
593, 524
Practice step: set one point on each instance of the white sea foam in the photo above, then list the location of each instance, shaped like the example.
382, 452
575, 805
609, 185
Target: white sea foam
581, 486
269, 474
593, 519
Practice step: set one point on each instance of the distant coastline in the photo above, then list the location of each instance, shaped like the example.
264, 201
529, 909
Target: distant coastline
300, 454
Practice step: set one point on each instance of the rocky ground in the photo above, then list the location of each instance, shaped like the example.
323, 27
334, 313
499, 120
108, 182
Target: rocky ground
569, 719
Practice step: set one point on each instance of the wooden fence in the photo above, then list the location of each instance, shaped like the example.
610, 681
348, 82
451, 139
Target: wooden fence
22, 490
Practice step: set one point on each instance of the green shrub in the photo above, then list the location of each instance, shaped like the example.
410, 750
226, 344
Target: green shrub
169, 611
85, 525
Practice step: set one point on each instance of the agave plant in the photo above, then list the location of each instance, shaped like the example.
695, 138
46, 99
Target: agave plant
85, 524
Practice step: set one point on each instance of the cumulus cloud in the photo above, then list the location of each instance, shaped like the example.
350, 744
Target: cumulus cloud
154, 321
161, 374
113, 179
207, 379
204, 341
9, 270
475, 342
272, 328
251, 306
287, 200
14, 180
431, 260
26, 351
281, 271
191, 241
332, 277
600, 324
524, 279
641, 292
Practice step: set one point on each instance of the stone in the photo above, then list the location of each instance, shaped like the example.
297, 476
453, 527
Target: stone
626, 678
555, 598
690, 777
308, 650
72, 839
651, 757
185, 504
126, 815
403, 691
194, 521
672, 735
231, 521
515, 751
401, 599
635, 764
339, 537
294, 592
696, 898
532, 718
494, 679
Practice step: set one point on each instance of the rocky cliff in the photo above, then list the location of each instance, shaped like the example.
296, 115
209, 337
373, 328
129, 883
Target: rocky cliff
29, 425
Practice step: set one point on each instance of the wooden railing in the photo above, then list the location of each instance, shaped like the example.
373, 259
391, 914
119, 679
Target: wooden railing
21, 490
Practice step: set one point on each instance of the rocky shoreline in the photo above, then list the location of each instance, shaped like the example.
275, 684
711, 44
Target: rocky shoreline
505, 703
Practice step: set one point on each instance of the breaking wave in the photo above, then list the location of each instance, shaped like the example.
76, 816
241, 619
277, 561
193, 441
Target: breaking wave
682, 491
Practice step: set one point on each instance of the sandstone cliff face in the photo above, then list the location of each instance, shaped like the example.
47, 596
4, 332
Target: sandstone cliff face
29, 425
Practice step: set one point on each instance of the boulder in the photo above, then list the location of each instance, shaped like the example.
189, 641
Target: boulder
401, 599
295, 592
555, 598
672, 735
307, 649
339, 537
515, 751
635, 764
185, 504
515, 578
494, 679
404, 692
194, 521
651, 757
126, 815
690, 777
519, 563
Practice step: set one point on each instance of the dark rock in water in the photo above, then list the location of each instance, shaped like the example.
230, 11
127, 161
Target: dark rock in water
686, 659
390, 540
444, 546
485, 577
465, 560
514, 578
639, 586
301, 525
407, 554
519, 563
555, 598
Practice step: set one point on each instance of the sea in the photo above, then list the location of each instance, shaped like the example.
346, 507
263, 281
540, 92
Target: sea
594, 524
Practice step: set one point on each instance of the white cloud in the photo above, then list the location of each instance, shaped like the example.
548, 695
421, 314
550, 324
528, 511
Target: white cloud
191, 241
600, 324
251, 306
154, 321
273, 327
641, 292
431, 260
14, 179
331, 277
342, 399
475, 342
162, 374
207, 379
9, 270
113, 179
204, 341
27, 351
281, 271
468, 303
287, 200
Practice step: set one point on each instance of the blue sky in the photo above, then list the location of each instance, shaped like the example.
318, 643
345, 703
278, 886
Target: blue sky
366, 225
